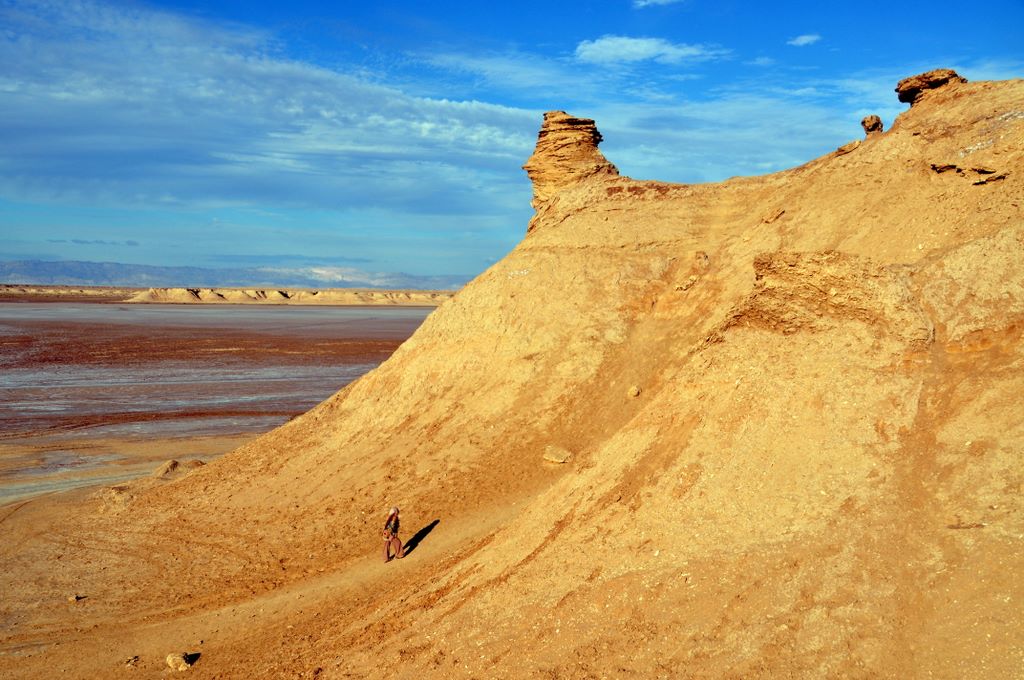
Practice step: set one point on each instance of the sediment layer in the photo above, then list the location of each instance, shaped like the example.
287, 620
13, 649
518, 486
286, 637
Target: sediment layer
281, 296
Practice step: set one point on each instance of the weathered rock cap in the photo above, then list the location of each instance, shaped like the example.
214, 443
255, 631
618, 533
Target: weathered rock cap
566, 153
872, 125
910, 89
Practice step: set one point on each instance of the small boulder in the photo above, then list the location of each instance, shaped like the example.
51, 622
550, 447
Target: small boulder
872, 125
634, 391
909, 90
182, 661
168, 468
556, 454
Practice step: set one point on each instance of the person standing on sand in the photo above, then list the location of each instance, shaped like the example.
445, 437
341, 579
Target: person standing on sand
391, 540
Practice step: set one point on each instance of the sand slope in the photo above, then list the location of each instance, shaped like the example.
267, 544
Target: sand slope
792, 405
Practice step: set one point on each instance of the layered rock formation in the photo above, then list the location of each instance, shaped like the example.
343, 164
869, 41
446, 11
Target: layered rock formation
566, 154
787, 410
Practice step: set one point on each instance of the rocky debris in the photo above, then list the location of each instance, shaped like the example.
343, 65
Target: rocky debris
132, 662
173, 468
816, 292
979, 175
687, 285
182, 661
566, 153
76, 598
847, 148
114, 498
872, 125
909, 90
556, 454
988, 179
166, 469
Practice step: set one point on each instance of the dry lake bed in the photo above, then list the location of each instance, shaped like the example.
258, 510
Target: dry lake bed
100, 393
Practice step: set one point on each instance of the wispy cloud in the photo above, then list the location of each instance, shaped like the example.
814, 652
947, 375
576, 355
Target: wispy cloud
804, 40
610, 49
93, 242
128, 110
511, 69
640, 4
166, 110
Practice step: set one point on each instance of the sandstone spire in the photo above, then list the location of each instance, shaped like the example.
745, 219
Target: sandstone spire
566, 153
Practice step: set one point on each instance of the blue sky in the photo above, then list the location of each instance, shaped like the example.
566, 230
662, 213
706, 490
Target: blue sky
359, 139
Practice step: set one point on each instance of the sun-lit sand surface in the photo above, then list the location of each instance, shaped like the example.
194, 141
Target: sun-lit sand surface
765, 428
98, 394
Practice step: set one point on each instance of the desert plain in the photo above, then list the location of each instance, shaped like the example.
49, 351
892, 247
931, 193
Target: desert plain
765, 428
106, 392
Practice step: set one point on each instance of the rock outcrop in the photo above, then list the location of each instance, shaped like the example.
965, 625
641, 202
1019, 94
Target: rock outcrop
909, 90
566, 154
872, 125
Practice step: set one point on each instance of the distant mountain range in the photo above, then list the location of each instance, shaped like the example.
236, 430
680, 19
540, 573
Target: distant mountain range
78, 273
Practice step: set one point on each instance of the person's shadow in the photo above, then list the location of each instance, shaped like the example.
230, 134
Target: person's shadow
413, 542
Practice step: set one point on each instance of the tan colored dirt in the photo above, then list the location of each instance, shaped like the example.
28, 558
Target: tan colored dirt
818, 474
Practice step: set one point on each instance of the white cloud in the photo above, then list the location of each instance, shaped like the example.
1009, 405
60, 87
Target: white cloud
761, 61
514, 74
640, 4
107, 105
804, 40
611, 49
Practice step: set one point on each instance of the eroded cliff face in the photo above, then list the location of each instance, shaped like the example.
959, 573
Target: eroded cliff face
566, 154
789, 405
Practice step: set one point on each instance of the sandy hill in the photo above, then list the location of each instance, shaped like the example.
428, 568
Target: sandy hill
789, 408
